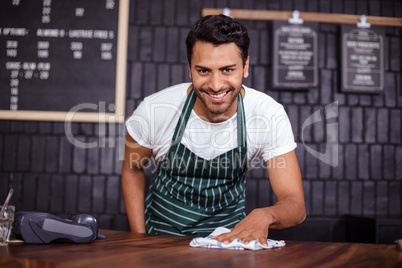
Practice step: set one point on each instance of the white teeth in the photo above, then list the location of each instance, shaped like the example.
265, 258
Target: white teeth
218, 96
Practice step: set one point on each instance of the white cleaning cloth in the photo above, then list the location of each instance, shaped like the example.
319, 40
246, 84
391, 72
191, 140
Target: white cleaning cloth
208, 242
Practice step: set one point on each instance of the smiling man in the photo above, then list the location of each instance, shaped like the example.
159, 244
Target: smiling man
204, 136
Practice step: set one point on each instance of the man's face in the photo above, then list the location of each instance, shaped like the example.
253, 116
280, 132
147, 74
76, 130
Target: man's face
217, 74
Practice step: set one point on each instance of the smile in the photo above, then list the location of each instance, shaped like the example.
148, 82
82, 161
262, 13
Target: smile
218, 96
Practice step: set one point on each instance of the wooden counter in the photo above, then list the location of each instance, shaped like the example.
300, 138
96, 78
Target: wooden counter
123, 249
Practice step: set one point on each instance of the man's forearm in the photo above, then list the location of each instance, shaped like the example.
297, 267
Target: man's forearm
287, 212
133, 185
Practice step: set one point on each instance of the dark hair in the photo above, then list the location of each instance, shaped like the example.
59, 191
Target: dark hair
218, 29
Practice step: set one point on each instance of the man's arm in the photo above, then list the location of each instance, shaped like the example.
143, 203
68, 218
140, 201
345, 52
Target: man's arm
133, 183
285, 178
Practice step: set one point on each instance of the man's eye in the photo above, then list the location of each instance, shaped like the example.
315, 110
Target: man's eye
203, 71
227, 70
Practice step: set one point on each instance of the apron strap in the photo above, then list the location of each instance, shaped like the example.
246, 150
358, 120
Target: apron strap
186, 112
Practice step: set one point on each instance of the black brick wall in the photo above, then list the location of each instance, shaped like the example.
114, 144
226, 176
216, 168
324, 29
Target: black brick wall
50, 174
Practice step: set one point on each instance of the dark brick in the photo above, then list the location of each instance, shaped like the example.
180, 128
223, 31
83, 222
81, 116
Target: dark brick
376, 162
299, 97
274, 5
38, 153
136, 88
332, 51
65, 155
349, 7
177, 74
386, 48
45, 127
317, 192
311, 171
254, 49
265, 47
150, 77
344, 124
31, 127
319, 130
326, 89
43, 197
307, 195
398, 160
17, 126
356, 198
395, 198
286, 97
85, 194
365, 100
300, 5
182, 55
133, 41
195, 11
313, 96
156, 12
381, 200
375, 7
398, 8
351, 164
106, 160
324, 169
58, 128
370, 125
260, 81
71, 193
363, 162
4, 185
387, 8
382, 126
390, 89
389, 162
378, 100
286, 4
307, 128
395, 126
113, 187
145, 43
340, 97
57, 193
343, 198
263, 193
169, 13
322, 42
369, 198
251, 194
300, 158
16, 183
330, 198
51, 154
93, 159
325, 6
79, 157
292, 111
24, 153
338, 171
10, 153
362, 7
312, 6
142, 12
357, 125
98, 193
173, 44
29, 193
159, 54
182, 10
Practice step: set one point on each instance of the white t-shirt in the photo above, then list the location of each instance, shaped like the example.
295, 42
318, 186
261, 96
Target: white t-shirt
269, 132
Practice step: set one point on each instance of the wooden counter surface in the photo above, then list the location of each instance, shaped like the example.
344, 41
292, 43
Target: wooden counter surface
124, 249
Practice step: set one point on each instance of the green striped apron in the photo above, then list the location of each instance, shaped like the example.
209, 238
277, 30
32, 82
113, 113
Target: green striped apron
191, 195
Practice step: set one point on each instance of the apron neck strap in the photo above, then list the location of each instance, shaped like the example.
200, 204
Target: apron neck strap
186, 112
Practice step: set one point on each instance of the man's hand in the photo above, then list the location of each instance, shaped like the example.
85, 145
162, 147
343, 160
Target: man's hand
253, 227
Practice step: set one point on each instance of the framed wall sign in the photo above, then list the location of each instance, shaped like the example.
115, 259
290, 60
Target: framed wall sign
295, 64
362, 59
63, 56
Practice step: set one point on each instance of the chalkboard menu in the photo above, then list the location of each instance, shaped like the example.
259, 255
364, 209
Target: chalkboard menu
63, 60
362, 59
294, 55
